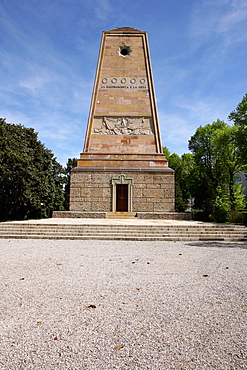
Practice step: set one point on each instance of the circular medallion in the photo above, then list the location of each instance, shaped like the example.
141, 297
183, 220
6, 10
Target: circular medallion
133, 81
123, 80
142, 81
114, 80
104, 80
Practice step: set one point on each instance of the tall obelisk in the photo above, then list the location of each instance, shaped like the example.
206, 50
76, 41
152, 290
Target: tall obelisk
122, 167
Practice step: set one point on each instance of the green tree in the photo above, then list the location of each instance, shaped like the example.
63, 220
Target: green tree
167, 152
184, 177
218, 163
201, 145
31, 180
189, 176
72, 162
175, 162
229, 163
239, 118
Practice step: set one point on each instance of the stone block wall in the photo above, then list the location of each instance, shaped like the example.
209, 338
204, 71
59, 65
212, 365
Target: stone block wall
91, 191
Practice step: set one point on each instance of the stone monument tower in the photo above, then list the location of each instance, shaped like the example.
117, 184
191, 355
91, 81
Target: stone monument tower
122, 167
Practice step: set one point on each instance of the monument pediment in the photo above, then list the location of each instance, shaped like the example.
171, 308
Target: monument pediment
125, 29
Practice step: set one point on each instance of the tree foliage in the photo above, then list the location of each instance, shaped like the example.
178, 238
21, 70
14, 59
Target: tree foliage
31, 179
218, 162
239, 118
210, 175
184, 177
72, 162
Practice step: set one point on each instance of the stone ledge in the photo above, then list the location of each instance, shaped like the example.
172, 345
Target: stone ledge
78, 214
141, 215
122, 169
165, 215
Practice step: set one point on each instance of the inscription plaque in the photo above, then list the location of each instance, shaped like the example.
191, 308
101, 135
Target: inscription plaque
128, 83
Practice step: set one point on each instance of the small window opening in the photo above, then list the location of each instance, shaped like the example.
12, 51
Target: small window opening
124, 52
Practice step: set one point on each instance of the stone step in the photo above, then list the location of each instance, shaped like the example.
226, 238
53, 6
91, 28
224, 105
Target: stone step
118, 232
18, 226
205, 232
127, 238
110, 233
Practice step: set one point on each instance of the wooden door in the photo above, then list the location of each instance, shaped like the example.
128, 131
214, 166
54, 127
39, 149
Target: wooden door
122, 197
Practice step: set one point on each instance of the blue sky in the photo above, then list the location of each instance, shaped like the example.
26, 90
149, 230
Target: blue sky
49, 51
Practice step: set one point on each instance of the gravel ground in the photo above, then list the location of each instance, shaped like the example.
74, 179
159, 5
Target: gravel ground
122, 305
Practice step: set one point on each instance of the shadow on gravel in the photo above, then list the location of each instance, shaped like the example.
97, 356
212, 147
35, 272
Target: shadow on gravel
219, 244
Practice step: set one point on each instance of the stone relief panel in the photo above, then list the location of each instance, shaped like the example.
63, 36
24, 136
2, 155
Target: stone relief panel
122, 126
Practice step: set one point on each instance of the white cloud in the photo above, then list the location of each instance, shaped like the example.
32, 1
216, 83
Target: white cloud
220, 17
102, 9
236, 14
189, 113
37, 82
202, 111
175, 132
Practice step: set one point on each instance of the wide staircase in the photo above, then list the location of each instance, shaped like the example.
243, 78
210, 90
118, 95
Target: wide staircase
169, 232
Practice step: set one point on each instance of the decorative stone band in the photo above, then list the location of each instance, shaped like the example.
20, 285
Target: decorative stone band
108, 160
117, 169
128, 83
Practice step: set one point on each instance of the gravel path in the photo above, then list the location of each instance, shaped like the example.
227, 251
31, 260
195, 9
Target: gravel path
122, 305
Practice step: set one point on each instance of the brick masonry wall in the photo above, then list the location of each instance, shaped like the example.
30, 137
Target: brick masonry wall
151, 191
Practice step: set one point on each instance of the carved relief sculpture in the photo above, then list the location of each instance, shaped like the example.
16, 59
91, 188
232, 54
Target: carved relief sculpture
124, 126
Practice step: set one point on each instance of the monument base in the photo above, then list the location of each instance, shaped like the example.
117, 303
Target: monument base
122, 189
